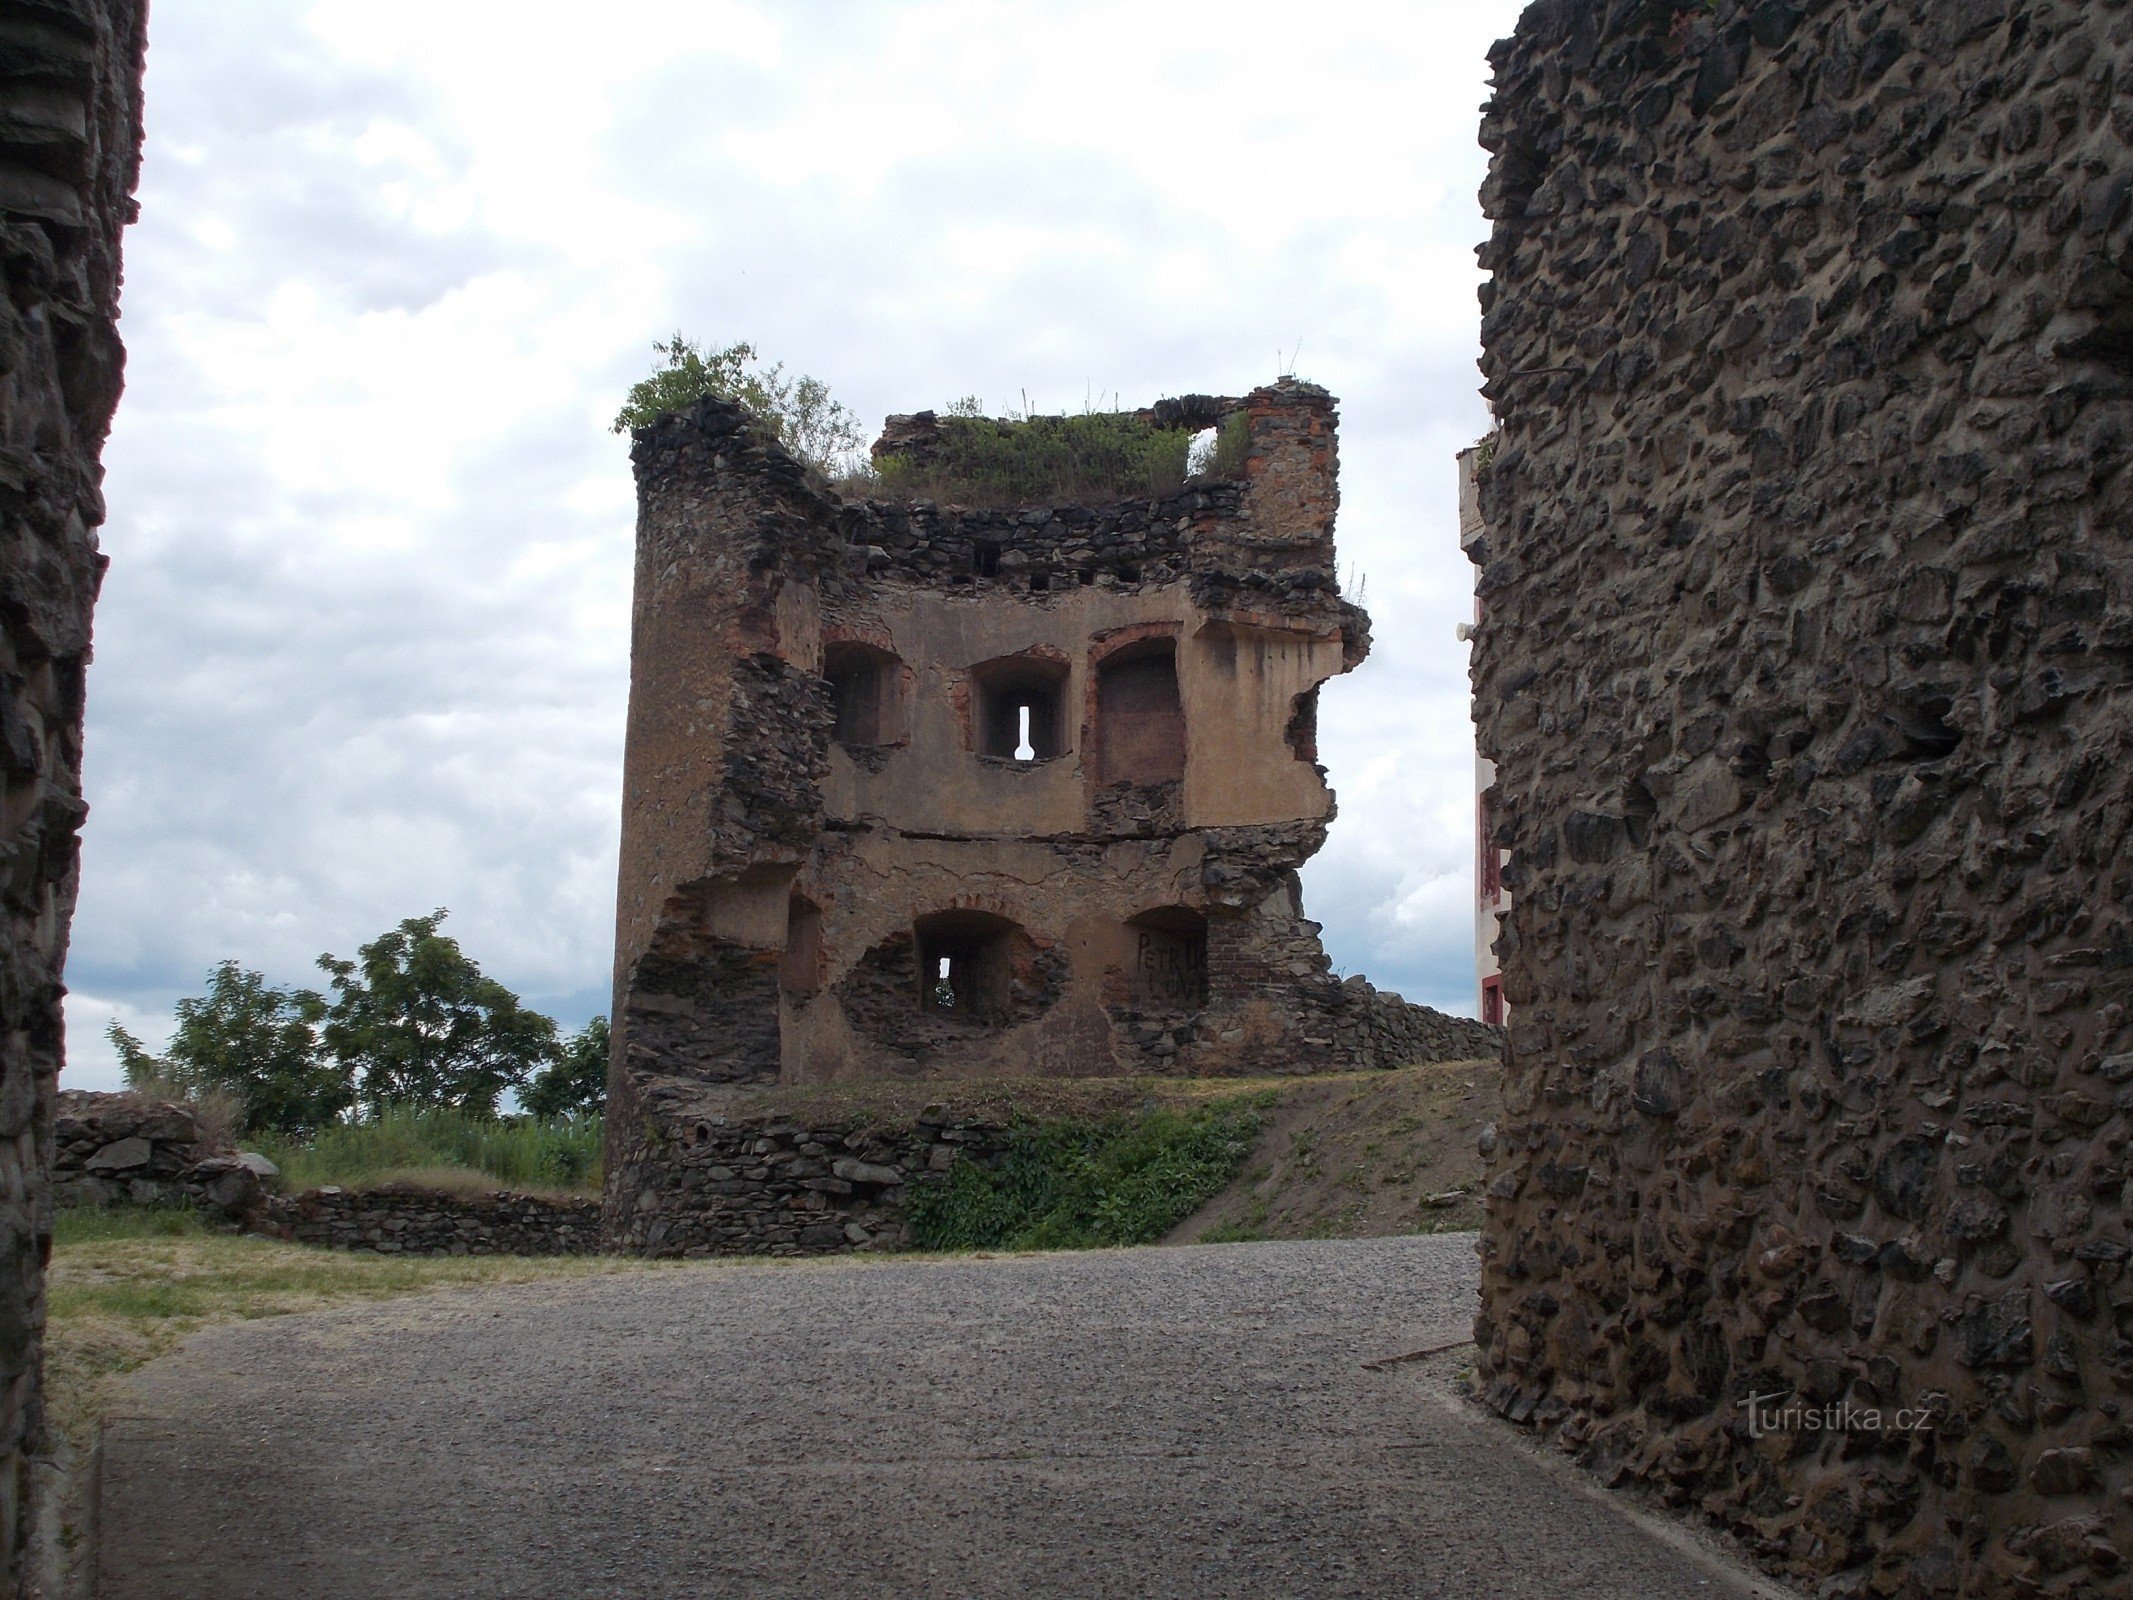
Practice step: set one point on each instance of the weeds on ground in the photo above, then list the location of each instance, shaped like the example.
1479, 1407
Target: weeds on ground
1072, 1185
125, 1285
447, 1149
1247, 1229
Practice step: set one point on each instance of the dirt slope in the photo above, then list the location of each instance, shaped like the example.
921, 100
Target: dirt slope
1362, 1155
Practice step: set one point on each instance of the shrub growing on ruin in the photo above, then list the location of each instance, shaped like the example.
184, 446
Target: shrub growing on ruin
815, 429
430, 1144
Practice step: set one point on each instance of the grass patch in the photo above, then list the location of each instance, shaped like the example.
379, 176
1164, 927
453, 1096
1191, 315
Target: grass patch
127, 1284
1084, 1184
450, 1150
1247, 1229
1099, 455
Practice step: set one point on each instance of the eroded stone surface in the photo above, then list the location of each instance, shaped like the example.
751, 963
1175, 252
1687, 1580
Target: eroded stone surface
1804, 664
70, 139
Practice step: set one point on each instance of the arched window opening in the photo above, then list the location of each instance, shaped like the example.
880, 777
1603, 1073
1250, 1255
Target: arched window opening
866, 689
1140, 719
1169, 970
1018, 704
966, 965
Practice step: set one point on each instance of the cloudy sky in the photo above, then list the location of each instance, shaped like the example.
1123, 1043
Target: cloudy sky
363, 649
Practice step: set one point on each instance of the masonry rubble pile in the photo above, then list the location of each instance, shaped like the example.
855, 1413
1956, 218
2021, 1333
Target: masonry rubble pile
1806, 663
110, 1149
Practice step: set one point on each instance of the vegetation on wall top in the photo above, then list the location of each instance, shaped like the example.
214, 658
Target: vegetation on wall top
1028, 459
816, 430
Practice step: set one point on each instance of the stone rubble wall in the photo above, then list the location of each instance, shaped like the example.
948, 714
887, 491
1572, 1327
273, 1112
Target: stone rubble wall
693, 1181
126, 1149
400, 1219
70, 139
1805, 658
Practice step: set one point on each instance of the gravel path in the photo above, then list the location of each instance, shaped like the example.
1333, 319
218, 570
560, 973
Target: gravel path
1167, 1422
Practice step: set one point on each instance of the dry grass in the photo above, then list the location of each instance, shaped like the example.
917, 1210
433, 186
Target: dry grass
125, 1286
1001, 1099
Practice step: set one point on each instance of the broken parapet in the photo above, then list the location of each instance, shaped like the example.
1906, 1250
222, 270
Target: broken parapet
920, 790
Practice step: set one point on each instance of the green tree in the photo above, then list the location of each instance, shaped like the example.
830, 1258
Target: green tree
255, 1041
142, 1069
417, 1023
575, 1083
814, 428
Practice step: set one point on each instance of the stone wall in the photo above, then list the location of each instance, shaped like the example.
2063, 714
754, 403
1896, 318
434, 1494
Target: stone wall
401, 1219
761, 1183
70, 137
1804, 660
127, 1149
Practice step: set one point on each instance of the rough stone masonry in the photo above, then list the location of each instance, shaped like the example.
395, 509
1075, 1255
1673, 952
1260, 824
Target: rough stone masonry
1805, 658
70, 139
917, 790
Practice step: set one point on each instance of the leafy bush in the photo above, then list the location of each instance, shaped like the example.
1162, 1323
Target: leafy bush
575, 1083
814, 428
1099, 455
1074, 1185
525, 1152
248, 1041
1233, 443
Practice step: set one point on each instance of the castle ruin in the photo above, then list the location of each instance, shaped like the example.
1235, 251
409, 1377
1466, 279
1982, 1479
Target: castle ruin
917, 790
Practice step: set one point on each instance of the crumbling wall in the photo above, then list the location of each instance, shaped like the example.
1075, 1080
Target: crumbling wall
1804, 659
127, 1149
840, 859
70, 138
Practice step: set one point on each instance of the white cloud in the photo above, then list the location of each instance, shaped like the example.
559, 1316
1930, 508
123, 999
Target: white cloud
363, 647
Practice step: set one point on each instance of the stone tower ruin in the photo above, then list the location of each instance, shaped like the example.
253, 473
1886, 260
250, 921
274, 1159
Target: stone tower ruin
919, 790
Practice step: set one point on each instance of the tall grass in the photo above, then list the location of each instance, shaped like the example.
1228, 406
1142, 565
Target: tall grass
405, 1143
1073, 1185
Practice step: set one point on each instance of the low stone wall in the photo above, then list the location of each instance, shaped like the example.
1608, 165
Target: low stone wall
400, 1219
126, 1149
698, 1182
1378, 1028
